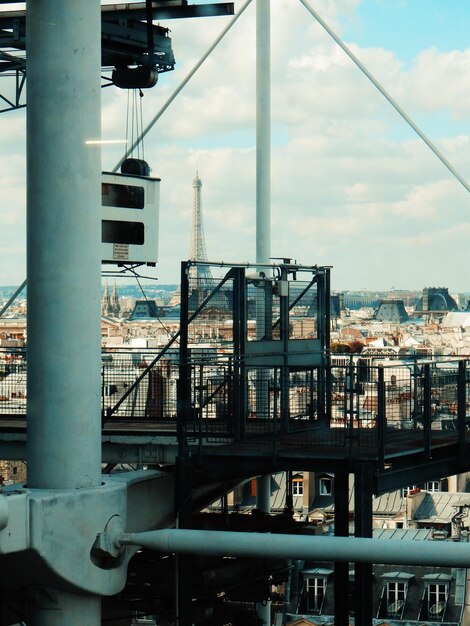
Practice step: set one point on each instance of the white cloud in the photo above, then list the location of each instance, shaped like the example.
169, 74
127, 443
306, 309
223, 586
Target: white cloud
441, 80
351, 185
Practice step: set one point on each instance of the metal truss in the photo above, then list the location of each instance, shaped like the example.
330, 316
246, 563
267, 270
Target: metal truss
128, 38
13, 66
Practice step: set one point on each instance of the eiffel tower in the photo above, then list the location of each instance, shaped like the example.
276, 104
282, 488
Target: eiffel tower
200, 275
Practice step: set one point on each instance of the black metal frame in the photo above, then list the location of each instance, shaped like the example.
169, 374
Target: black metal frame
128, 39
281, 358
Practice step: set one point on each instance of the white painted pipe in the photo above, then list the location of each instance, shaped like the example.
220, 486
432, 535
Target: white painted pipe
263, 132
263, 224
266, 545
63, 237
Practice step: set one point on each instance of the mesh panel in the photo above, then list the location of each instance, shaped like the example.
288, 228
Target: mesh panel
12, 383
214, 321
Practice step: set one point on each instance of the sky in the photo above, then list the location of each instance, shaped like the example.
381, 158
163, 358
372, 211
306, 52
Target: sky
352, 186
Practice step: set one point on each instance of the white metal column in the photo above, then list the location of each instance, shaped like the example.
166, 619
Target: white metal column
263, 132
63, 258
263, 213
64, 230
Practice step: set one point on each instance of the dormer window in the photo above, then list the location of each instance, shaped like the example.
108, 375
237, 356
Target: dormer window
297, 485
316, 588
396, 596
394, 593
325, 485
435, 596
437, 599
316, 583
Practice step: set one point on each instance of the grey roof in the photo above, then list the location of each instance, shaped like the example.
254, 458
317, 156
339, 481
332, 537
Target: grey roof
318, 571
390, 503
440, 506
437, 576
405, 534
397, 576
391, 311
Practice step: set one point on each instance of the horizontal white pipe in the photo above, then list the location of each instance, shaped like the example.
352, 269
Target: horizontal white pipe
316, 548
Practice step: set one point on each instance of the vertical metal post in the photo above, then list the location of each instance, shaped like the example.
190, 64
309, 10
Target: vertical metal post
341, 495
284, 313
327, 315
183, 562
263, 193
416, 379
349, 405
427, 410
323, 330
239, 339
321, 372
363, 492
238, 351
63, 260
263, 131
263, 503
326, 350
381, 418
184, 382
462, 410
63, 233
183, 492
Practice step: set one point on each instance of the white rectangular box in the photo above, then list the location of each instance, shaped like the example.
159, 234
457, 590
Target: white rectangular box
129, 218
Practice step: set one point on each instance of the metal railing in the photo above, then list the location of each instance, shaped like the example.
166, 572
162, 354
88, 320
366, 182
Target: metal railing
386, 408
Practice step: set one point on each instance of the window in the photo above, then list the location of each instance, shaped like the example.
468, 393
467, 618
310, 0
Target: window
113, 231
437, 598
109, 390
396, 595
298, 485
433, 485
316, 588
122, 196
325, 486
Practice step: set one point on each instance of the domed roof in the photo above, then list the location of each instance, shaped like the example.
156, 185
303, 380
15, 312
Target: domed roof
436, 299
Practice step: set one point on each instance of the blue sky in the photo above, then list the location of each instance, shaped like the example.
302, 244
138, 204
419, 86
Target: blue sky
352, 186
409, 26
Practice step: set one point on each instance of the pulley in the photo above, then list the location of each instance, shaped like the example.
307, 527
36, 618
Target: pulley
140, 77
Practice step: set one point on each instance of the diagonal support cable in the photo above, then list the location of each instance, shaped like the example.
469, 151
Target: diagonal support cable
386, 95
13, 298
185, 81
